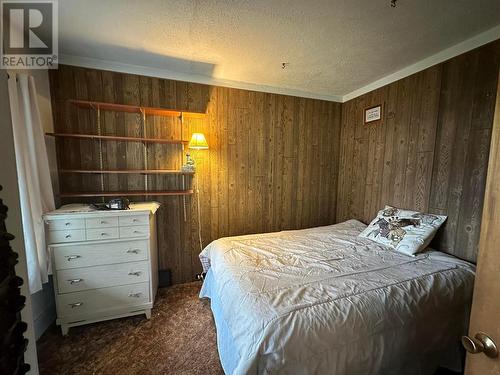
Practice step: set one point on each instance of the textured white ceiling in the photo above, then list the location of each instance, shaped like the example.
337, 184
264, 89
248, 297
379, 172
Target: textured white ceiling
333, 47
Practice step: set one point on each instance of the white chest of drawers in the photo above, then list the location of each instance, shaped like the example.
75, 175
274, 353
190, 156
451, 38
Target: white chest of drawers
104, 263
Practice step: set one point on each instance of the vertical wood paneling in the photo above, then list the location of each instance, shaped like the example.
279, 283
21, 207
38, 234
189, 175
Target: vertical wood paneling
463, 140
278, 162
272, 162
430, 152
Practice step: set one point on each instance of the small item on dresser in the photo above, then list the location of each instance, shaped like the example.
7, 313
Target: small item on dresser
75, 208
114, 204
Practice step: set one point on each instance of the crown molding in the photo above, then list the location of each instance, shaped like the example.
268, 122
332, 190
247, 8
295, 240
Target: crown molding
115, 66
446, 54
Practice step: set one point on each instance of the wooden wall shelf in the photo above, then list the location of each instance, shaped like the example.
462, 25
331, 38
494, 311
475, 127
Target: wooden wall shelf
117, 138
127, 171
144, 139
136, 109
125, 193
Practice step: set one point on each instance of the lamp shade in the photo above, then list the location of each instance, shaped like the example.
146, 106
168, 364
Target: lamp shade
198, 142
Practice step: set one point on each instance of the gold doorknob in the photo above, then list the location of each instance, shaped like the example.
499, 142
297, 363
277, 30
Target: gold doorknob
480, 343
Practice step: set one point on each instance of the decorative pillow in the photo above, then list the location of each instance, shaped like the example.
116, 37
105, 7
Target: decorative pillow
405, 231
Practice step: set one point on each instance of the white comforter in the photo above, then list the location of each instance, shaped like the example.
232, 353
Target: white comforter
325, 301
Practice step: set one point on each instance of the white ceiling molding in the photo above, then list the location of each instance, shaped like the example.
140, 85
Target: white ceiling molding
87, 62
448, 53
336, 49
462, 47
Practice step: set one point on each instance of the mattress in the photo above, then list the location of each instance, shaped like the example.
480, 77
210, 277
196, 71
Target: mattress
325, 301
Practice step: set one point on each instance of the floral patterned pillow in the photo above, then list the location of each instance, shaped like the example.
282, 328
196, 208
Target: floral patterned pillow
405, 231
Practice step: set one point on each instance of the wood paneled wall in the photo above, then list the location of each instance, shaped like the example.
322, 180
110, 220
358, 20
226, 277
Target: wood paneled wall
279, 162
272, 162
430, 153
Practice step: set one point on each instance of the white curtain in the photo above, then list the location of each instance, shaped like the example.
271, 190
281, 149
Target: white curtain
35, 187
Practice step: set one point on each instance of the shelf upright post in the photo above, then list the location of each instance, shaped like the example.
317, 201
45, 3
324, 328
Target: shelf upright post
181, 118
145, 148
183, 177
99, 132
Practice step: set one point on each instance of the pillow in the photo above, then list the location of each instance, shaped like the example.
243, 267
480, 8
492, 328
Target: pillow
405, 231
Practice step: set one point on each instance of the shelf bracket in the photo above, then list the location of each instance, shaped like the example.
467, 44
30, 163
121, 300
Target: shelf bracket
181, 117
184, 203
99, 132
144, 147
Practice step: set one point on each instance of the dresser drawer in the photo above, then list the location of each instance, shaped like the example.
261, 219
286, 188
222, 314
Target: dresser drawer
101, 222
65, 224
78, 279
93, 301
102, 233
70, 235
134, 220
99, 253
131, 232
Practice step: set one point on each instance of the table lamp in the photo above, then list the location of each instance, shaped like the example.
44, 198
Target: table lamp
197, 142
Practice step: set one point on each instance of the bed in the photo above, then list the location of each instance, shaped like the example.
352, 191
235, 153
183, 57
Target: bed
325, 301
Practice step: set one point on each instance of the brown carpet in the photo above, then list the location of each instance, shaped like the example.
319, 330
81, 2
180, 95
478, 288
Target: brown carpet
179, 339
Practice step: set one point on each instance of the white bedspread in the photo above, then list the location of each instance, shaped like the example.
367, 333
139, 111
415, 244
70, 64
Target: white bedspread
324, 301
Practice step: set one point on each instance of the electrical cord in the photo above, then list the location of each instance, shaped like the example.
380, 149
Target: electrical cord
197, 190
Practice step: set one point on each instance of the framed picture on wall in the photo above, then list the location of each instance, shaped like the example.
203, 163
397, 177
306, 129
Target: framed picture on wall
373, 114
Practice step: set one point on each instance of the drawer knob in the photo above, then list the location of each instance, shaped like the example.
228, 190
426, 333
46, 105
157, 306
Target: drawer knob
133, 251
136, 231
135, 295
75, 281
68, 224
68, 236
103, 222
71, 257
76, 304
135, 220
135, 273
104, 234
